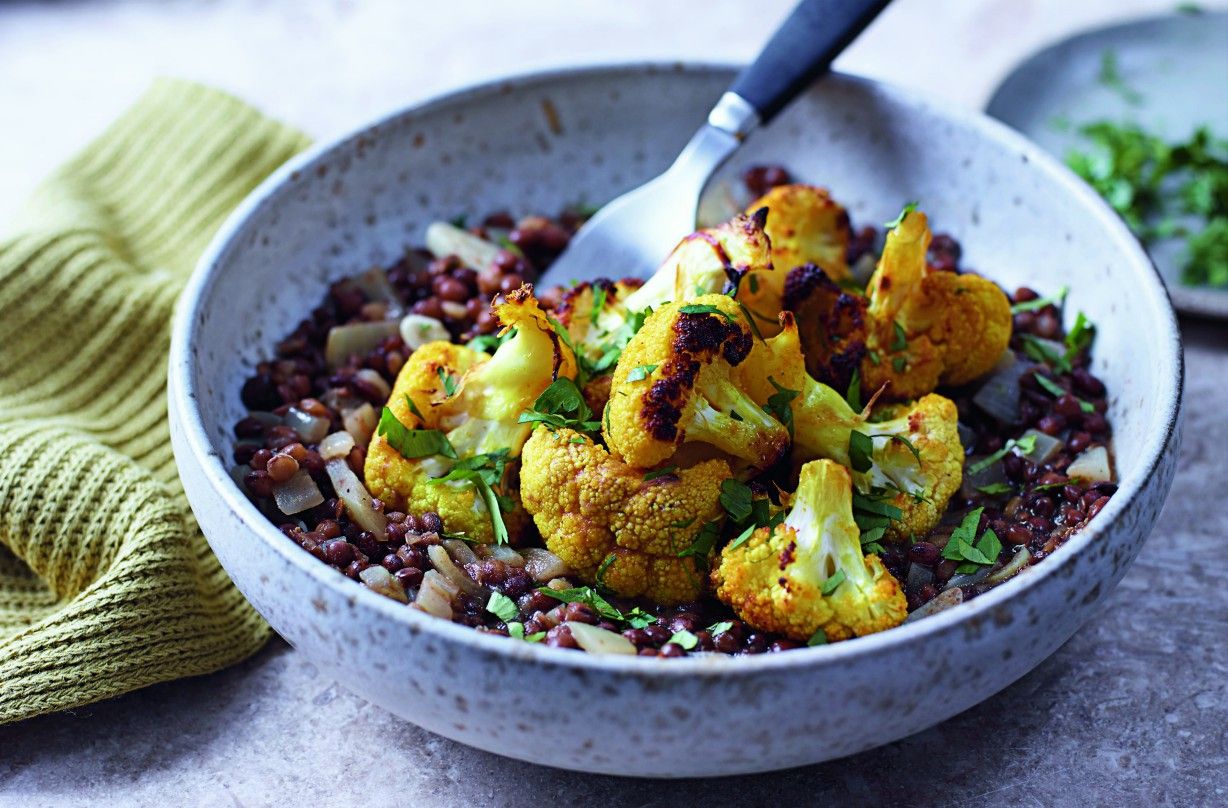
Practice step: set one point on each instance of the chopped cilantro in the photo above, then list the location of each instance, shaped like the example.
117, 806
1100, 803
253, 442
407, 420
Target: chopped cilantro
484, 472
705, 308
413, 443
599, 300
963, 546
833, 582
899, 339
638, 618
489, 343
1041, 302
861, 451
853, 394
817, 638
1079, 337
1110, 76
685, 639
503, 607
780, 404
1042, 350
736, 498
665, 471
1024, 445
640, 372
899, 220
899, 363
448, 381
561, 405
720, 628
995, 489
604, 567
874, 357
587, 595
702, 544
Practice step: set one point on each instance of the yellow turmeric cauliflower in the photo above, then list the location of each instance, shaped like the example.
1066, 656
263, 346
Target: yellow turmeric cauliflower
808, 573
597, 513
673, 386
805, 226
913, 461
928, 327
476, 400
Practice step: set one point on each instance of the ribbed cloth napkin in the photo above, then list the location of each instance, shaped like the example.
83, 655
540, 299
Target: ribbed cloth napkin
106, 584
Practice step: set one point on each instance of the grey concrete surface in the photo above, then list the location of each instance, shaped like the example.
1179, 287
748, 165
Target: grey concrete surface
1133, 710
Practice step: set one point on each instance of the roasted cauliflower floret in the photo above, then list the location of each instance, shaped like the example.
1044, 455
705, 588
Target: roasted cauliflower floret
735, 254
597, 513
805, 226
476, 401
928, 327
673, 386
883, 462
831, 324
808, 573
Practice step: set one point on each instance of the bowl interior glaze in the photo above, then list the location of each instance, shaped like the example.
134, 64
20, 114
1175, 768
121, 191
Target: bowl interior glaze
539, 143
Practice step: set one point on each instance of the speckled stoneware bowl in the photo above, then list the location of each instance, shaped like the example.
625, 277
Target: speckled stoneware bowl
535, 144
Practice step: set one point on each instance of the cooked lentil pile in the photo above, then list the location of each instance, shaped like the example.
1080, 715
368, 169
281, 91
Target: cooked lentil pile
666, 549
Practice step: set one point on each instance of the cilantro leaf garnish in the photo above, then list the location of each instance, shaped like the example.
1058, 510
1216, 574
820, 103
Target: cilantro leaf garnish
484, 472
780, 404
1024, 445
1040, 350
640, 372
736, 498
833, 582
413, 443
853, 394
818, 638
995, 489
561, 405
899, 339
1041, 302
503, 607
706, 308
448, 381
665, 471
963, 546
685, 639
587, 595
861, 451
899, 220
720, 628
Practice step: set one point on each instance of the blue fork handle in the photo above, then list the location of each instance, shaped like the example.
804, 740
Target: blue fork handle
801, 50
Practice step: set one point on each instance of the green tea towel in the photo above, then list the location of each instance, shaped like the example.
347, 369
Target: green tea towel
106, 584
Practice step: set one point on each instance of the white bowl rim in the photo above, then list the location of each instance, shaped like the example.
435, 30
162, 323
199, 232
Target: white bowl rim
181, 394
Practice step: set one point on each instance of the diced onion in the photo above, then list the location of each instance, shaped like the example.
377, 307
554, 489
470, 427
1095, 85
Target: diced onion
999, 395
1018, 561
435, 595
597, 640
418, 329
375, 285
266, 418
443, 562
944, 601
1092, 466
336, 445
543, 565
310, 428
969, 578
297, 494
918, 576
361, 422
444, 239
340, 399
357, 500
380, 580
373, 378
1045, 448
459, 551
356, 339
993, 473
501, 552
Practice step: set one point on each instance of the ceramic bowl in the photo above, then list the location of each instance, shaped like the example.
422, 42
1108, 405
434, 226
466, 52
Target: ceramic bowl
543, 141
